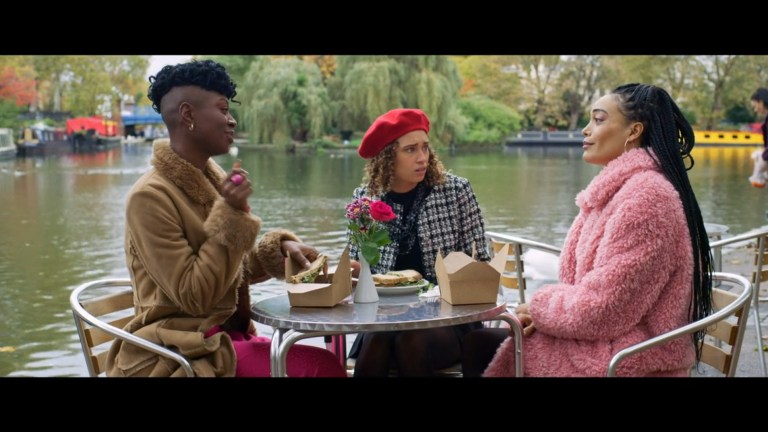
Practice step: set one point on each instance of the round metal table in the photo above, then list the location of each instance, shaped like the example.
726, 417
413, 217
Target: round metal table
390, 313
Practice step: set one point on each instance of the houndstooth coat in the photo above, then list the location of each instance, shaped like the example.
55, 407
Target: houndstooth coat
449, 221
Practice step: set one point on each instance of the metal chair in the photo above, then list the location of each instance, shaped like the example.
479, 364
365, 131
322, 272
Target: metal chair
514, 272
719, 328
105, 315
759, 275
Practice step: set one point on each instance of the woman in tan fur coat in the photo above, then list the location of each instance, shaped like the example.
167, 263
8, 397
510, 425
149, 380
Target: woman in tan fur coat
190, 243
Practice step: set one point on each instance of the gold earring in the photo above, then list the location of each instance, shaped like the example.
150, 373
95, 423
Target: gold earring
191, 127
625, 144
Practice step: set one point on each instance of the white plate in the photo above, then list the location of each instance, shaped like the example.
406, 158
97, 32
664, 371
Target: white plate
400, 290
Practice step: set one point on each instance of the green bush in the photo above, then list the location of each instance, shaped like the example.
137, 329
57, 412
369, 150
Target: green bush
9, 113
489, 121
323, 143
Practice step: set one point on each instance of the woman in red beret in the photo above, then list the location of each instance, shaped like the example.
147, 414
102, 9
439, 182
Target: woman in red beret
436, 212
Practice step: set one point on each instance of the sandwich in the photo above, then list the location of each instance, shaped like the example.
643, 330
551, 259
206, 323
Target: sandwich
398, 278
320, 264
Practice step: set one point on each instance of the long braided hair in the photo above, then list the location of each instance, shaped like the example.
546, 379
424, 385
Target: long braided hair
670, 136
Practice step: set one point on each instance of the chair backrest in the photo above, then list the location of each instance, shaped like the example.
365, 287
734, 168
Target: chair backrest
513, 276
758, 276
726, 325
514, 270
100, 317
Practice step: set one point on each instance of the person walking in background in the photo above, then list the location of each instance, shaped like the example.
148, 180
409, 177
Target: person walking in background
436, 212
190, 243
759, 102
636, 261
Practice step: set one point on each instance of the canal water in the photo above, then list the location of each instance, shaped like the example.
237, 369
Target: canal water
61, 220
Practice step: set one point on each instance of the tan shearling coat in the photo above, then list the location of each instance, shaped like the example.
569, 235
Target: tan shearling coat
187, 252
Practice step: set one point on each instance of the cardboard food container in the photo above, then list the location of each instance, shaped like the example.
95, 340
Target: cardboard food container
462, 280
327, 291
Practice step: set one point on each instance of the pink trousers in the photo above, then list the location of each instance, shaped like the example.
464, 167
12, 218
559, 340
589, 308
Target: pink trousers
303, 361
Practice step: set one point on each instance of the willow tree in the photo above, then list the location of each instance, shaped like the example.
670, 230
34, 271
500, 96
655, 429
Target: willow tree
237, 67
364, 87
283, 100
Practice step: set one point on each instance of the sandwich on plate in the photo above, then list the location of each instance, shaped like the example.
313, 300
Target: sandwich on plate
398, 278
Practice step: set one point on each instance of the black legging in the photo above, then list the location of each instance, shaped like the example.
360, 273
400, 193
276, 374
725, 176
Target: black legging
479, 348
412, 353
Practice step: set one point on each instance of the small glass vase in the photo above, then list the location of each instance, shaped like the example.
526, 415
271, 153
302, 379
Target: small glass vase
365, 292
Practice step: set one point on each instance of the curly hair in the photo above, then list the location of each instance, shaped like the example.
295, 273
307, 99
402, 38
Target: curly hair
206, 74
380, 171
671, 137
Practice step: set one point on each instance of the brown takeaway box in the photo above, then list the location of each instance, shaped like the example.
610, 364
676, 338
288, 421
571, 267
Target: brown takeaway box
462, 280
327, 291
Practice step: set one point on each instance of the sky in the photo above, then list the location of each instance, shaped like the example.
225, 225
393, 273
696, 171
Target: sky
157, 62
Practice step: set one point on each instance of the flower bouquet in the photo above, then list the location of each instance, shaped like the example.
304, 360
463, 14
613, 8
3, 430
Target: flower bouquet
366, 222
368, 233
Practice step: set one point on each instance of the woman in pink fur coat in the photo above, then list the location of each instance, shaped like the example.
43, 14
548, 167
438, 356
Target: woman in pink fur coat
636, 261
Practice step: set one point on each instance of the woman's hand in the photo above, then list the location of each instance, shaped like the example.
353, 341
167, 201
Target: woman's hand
299, 252
525, 318
237, 188
355, 267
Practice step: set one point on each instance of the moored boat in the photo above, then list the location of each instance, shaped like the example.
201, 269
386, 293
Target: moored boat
538, 138
717, 138
41, 140
7, 147
703, 138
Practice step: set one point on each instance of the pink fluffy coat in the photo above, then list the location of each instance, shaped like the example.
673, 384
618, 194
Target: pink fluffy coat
625, 277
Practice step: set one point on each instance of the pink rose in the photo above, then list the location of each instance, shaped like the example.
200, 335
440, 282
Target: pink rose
381, 211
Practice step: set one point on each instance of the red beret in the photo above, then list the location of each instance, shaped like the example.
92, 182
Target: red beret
389, 127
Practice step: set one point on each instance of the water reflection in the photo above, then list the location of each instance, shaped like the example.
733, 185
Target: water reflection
62, 222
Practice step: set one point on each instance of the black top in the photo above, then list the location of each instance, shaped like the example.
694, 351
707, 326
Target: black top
412, 258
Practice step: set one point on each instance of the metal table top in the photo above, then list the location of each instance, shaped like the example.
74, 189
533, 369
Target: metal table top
401, 312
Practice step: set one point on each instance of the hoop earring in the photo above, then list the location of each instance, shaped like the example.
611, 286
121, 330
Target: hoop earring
192, 127
625, 144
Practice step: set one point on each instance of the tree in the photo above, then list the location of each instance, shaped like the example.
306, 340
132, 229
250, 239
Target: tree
579, 81
364, 87
715, 77
87, 85
126, 76
237, 66
490, 76
538, 75
489, 121
326, 63
15, 87
285, 99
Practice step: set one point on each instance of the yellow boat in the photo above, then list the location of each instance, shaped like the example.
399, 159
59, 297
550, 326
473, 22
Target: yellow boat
716, 138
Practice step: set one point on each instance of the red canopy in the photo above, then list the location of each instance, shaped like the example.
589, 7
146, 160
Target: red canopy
102, 127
